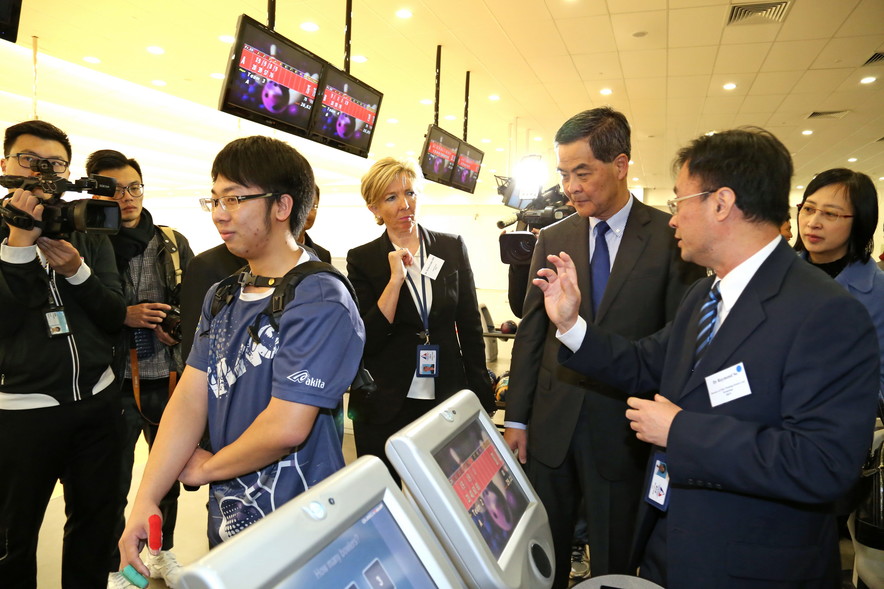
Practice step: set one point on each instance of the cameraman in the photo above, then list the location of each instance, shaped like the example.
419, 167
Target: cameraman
61, 310
151, 285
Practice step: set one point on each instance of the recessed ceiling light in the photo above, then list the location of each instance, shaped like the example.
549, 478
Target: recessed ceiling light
799, 187
426, 101
631, 163
450, 117
391, 144
486, 140
868, 80
403, 13
807, 132
711, 133
606, 91
494, 97
392, 121
158, 83
217, 76
310, 27
156, 50
729, 86
851, 159
538, 139
226, 38
640, 34
359, 59
499, 149
90, 59
410, 152
635, 179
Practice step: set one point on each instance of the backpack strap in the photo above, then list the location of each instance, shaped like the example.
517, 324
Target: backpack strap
172, 247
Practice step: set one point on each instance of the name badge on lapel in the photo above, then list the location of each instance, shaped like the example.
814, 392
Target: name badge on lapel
432, 266
726, 385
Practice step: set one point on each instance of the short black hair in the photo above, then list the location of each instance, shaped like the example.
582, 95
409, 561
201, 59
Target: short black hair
606, 130
274, 166
749, 160
863, 198
40, 129
110, 159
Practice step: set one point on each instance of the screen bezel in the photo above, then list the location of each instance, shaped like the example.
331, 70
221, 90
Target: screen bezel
340, 143
249, 560
444, 179
246, 24
469, 187
412, 452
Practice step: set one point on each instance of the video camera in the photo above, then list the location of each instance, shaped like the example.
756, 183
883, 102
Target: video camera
548, 207
61, 218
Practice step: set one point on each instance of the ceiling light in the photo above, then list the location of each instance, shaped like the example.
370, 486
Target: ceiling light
538, 139
158, 83
631, 163
868, 80
606, 91
392, 121
494, 97
499, 149
450, 117
156, 50
635, 179
217, 76
391, 144
486, 140
226, 38
403, 13
426, 101
310, 27
729, 86
410, 152
799, 187
90, 59
807, 132
640, 34
851, 159
359, 59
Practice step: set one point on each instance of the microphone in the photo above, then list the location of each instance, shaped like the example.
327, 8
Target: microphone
507, 221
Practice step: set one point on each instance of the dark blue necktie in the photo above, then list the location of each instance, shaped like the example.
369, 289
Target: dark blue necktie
600, 266
706, 326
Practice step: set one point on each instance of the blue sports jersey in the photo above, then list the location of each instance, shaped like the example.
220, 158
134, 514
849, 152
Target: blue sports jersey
312, 359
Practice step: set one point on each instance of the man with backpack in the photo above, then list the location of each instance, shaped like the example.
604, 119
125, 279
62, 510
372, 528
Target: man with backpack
151, 260
267, 366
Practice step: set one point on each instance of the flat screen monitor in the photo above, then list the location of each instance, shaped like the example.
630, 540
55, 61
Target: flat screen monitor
473, 492
355, 530
346, 112
466, 167
438, 155
270, 79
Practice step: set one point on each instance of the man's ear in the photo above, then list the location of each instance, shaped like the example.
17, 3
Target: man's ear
284, 207
725, 202
621, 164
3, 164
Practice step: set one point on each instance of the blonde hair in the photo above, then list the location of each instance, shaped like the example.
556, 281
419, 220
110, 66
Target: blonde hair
383, 172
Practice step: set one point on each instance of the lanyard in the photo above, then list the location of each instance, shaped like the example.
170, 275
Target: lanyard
421, 302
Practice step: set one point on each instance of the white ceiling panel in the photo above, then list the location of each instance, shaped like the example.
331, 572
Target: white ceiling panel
694, 27
592, 34
691, 61
643, 64
865, 19
792, 55
740, 59
652, 24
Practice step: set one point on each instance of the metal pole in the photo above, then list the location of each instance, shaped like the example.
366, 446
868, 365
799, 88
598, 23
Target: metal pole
466, 107
438, 84
271, 14
348, 26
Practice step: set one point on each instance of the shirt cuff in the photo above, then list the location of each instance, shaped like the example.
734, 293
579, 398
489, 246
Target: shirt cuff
17, 255
514, 425
81, 275
573, 338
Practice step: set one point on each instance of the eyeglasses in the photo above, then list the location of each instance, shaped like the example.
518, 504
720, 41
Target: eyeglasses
673, 204
26, 159
231, 203
136, 189
805, 210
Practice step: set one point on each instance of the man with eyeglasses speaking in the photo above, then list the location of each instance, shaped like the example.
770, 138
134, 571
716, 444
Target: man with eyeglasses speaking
61, 310
151, 260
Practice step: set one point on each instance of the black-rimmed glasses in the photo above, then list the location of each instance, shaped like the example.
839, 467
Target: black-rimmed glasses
136, 189
26, 159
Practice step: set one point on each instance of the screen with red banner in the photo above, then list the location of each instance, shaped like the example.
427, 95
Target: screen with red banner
466, 169
484, 484
438, 155
347, 112
271, 80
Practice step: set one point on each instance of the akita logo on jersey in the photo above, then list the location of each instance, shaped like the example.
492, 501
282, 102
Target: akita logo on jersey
303, 377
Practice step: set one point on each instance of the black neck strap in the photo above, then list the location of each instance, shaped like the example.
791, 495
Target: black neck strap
249, 279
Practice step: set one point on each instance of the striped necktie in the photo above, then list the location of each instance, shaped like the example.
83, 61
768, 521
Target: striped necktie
708, 317
600, 266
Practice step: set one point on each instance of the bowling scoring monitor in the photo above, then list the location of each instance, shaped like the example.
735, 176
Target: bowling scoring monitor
354, 530
463, 477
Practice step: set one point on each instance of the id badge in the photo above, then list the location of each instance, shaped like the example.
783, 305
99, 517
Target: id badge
657, 493
427, 361
56, 322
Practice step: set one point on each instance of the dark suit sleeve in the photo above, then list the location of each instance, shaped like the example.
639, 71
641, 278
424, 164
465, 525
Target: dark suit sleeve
528, 345
469, 332
812, 445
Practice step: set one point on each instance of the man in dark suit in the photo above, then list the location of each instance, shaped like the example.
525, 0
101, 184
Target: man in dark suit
578, 441
767, 376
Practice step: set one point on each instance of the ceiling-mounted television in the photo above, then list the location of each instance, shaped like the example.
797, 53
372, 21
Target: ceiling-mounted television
346, 112
438, 155
466, 167
270, 79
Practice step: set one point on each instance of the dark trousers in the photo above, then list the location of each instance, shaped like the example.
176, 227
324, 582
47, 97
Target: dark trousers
78, 444
154, 396
369, 438
609, 507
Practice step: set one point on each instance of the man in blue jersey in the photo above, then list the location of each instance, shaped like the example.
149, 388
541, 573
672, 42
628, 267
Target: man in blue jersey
268, 393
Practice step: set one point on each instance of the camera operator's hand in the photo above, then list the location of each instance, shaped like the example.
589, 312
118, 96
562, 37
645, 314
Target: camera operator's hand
164, 336
26, 202
147, 315
61, 255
